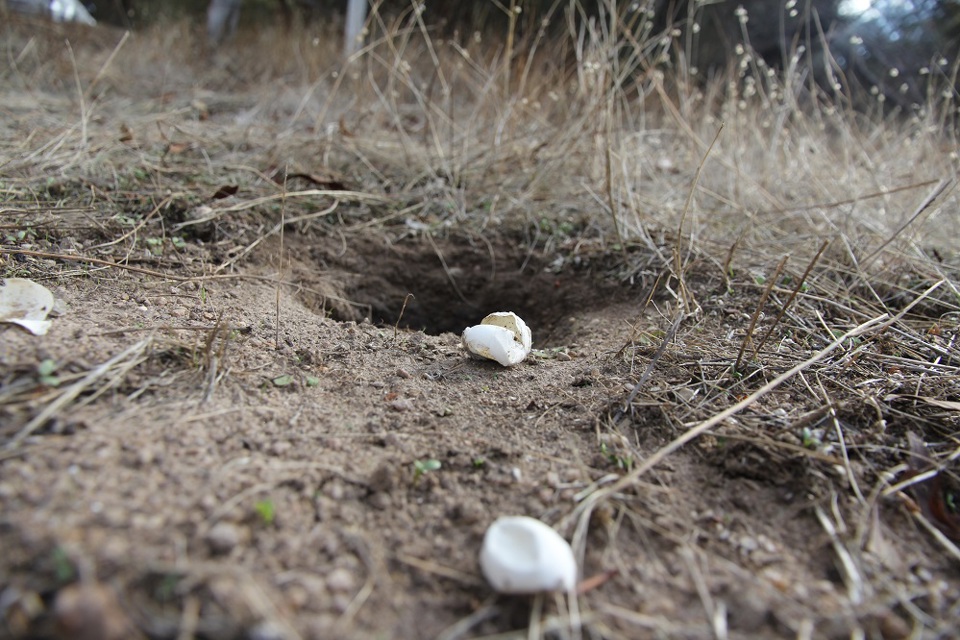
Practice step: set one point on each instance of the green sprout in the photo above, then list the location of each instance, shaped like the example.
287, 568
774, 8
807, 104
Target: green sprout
950, 497
166, 590
624, 463
62, 566
809, 439
45, 373
156, 245
420, 467
266, 510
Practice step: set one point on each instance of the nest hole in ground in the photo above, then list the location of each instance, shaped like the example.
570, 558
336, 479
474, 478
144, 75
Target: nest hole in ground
457, 281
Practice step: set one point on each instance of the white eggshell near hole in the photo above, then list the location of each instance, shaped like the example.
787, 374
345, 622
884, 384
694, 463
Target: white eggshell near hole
26, 303
513, 322
495, 343
523, 555
501, 336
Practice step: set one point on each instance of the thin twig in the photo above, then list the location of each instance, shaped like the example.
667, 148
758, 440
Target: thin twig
756, 312
933, 195
793, 295
667, 339
679, 264
851, 573
396, 327
73, 392
588, 504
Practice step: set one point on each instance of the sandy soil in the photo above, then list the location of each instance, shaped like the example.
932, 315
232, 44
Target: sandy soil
233, 453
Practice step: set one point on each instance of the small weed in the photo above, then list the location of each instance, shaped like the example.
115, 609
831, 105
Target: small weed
156, 246
312, 381
624, 463
167, 588
849, 343
810, 439
178, 242
950, 497
420, 467
266, 510
479, 463
20, 235
45, 373
283, 381
62, 566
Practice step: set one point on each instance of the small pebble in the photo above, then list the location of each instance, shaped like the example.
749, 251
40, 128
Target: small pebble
223, 537
341, 580
268, 630
403, 404
90, 612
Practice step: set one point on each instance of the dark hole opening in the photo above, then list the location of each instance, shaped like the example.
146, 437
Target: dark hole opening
472, 280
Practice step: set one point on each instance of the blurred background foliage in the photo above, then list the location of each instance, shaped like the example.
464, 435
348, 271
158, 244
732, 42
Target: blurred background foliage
886, 49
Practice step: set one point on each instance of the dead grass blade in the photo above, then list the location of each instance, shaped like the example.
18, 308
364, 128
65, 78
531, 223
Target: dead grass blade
756, 312
667, 339
69, 257
851, 574
585, 509
119, 364
923, 206
793, 295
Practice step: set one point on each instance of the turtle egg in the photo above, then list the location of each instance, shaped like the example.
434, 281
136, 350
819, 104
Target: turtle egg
523, 555
501, 336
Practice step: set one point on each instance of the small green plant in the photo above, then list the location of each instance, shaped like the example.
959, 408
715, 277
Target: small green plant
20, 235
479, 463
420, 467
849, 343
62, 566
624, 463
950, 497
45, 373
809, 439
156, 245
283, 381
166, 589
266, 510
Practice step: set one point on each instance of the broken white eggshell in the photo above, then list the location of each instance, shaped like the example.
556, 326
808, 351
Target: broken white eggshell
25, 303
523, 555
501, 336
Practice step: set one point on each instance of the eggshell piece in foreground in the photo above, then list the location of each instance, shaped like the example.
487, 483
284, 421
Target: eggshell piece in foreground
522, 555
25, 303
494, 343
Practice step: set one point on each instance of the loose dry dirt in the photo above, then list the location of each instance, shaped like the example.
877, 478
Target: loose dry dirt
233, 454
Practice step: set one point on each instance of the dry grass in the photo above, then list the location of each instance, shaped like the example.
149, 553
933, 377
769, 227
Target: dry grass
824, 236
